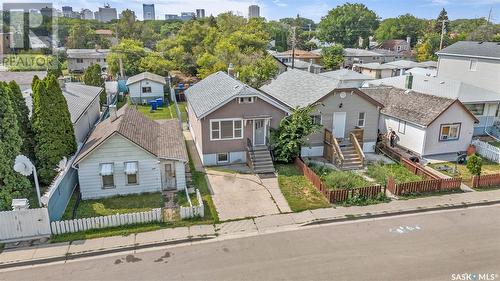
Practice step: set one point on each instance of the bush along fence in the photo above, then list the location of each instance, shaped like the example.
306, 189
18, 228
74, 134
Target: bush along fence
193, 210
487, 150
339, 195
486, 181
83, 224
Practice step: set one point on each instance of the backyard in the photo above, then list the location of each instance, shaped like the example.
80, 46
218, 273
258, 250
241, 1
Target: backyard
113, 205
165, 112
448, 168
298, 191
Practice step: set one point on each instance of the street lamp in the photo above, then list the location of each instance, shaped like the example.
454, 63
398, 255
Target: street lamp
24, 166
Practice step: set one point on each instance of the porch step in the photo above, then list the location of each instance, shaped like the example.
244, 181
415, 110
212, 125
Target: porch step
262, 161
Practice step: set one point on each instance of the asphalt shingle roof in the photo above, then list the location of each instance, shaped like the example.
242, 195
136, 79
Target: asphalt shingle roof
299, 88
148, 76
22, 78
164, 140
473, 49
410, 106
215, 90
345, 74
403, 63
87, 53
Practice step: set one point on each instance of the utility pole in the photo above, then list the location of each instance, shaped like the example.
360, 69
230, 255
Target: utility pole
293, 46
489, 15
442, 33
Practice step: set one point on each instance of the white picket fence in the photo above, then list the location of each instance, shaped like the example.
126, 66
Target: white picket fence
193, 211
487, 150
24, 224
76, 225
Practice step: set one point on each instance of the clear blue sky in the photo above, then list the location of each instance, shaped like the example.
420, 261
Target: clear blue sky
315, 9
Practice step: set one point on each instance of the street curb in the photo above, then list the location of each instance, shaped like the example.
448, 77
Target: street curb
402, 212
104, 252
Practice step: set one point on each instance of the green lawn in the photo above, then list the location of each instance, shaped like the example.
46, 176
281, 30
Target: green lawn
299, 192
182, 109
488, 168
181, 199
115, 205
334, 179
380, 172
168, 112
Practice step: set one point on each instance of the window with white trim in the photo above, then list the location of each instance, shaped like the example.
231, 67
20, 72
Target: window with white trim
361, 119
106, 172
449, 132
222, 158
131, 171
246, 100
316, 119
473, 65
226, 129
402, 127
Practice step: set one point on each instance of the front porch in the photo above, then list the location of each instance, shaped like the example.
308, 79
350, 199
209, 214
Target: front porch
344, 153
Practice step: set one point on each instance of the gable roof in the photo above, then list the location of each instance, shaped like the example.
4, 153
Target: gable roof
403, 63
375, 65
352, 52
299, 54
147, 76
299, 88
345, 74
87, 53
218, 89
390, 44
164, 140
489, 50
447, 88
411, 106
302, 64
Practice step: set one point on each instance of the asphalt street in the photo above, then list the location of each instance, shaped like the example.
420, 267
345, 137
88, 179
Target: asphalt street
430, 246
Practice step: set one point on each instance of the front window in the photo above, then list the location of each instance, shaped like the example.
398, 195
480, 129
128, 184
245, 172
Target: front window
449, 132
131, 171
107, 177
361, 119
146, 89
226, 129
476, 109
316, 119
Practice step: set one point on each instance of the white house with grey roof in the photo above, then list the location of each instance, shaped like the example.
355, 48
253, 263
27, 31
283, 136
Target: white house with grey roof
145, 87
483, 103
424, 124
129, 154
475, 63
347, 78
80, 59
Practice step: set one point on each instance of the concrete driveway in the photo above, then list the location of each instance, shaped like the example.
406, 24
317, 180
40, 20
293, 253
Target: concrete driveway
239, 196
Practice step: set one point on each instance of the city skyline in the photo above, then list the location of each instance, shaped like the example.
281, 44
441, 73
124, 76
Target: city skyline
315, 9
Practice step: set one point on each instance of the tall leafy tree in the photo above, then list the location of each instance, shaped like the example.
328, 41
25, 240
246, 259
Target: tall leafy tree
93, 77
52, 127
443, 16
290, 137
257, 74
156, 63
400, 28
347, 23
81, 36
332, 57
22, 114
131, 52
12, 184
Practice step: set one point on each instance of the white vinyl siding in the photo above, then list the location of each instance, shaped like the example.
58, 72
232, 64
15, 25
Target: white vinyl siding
154, 91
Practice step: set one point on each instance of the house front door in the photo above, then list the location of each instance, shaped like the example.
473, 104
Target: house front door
339, 119
168, 175
259, 132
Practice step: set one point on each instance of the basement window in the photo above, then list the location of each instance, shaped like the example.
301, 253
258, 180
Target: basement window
222, 158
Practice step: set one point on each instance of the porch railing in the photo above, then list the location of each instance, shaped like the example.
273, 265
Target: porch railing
357, 147
332, 144
249, 153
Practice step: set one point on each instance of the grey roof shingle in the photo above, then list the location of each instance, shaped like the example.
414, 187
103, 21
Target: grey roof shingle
22, 78
352, 52
215, 90
403, 63
375, 65
473, 49
165, 140
302, 64
87, 53
345, 74
299, 88
410, 106
148, 76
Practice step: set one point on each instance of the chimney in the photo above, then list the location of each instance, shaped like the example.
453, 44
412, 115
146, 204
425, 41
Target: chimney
408, 39
112, 112
409, 81
310, 68
230, 70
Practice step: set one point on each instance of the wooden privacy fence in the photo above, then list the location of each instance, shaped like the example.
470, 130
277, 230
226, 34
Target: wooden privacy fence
338, 195
487, 150
486, 181
193, 211
24, 224
423, 186
76, 225
418, 169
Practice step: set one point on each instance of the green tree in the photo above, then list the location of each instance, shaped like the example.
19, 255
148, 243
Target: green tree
290, 137
474, 165
443, 16
347, 23
332, 57
426, 50
400, 28
257, 74
52, 128
154, 62
92, 77
12, 184
131, 52
22, 114
81, 36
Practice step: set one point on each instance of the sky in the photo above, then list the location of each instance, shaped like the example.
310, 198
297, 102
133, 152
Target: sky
313, 9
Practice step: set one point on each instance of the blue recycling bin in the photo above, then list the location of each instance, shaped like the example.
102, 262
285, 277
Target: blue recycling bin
154, 105
159, 102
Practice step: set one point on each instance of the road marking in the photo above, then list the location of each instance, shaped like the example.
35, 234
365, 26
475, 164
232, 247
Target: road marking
403, 229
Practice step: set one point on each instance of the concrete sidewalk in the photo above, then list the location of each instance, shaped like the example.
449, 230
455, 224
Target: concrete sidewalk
233, 229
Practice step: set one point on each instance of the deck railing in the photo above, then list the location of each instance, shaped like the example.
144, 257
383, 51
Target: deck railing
357, 147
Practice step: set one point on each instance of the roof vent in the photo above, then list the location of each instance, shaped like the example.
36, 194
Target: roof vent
236, 86
480, 42
441, 82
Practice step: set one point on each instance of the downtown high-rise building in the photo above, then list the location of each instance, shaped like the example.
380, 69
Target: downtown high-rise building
253, 11
148, 11
200, 13
106, 14
86, 14
67, 11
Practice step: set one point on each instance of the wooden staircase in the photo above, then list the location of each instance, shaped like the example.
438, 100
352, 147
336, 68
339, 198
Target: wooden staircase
352, 160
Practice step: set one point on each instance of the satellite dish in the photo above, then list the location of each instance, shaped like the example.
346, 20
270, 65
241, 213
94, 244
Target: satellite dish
23, 165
